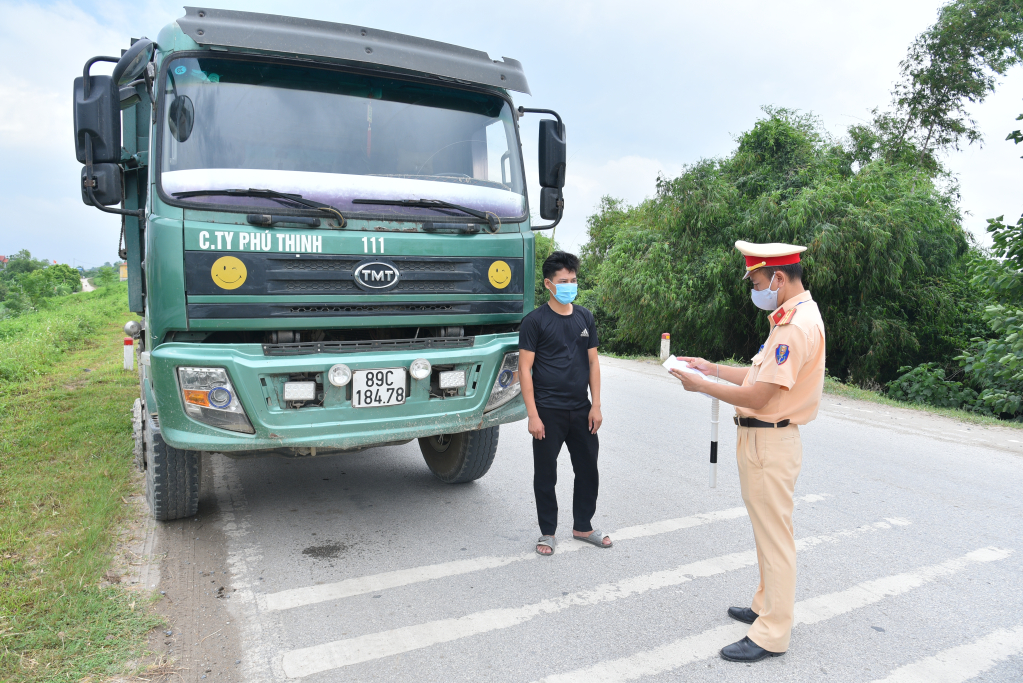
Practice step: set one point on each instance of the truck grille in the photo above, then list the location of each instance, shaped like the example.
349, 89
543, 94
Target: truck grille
218, 311
378, 309
330, 286
308, 348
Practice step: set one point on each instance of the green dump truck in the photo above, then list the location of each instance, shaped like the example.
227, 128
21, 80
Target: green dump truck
328, 238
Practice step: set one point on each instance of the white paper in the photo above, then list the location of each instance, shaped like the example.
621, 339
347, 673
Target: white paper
673, 363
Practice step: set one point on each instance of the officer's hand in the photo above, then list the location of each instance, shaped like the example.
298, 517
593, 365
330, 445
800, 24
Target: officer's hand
690, 382
536, 427
595, 419
703, 366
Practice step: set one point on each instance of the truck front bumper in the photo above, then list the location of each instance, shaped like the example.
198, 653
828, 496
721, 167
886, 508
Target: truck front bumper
336, 424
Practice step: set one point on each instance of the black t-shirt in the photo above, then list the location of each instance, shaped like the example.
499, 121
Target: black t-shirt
561, 370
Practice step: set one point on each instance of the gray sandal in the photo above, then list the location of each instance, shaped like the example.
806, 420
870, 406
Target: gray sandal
596, 537
548, 541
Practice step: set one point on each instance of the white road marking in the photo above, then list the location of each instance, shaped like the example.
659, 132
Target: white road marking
340, 653
310, 595
707, 644
962, 663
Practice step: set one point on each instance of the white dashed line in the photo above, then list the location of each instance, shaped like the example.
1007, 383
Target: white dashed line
340, 653
964, 662
310, 595
707, 644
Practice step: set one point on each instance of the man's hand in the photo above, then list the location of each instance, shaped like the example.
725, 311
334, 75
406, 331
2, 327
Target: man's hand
691, 382
703, 366
535, 427
595, 419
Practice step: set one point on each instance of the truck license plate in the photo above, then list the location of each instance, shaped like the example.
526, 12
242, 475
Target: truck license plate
384, 387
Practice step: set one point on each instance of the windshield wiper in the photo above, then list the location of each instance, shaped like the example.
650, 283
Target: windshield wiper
267, 194
491, 218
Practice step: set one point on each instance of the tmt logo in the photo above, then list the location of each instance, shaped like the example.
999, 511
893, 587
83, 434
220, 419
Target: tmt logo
376, 275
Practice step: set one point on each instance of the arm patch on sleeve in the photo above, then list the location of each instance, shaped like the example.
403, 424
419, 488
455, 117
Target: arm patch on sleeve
781, 353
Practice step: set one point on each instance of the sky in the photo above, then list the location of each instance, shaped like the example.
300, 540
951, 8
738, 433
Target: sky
644, 87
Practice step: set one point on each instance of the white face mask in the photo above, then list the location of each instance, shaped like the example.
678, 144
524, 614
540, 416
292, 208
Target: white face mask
765, 299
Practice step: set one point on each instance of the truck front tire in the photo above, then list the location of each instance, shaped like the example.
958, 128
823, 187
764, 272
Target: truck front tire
460, 458
173, 476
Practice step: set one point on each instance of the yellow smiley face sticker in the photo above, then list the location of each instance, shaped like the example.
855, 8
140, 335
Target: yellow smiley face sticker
228, 272
499, 274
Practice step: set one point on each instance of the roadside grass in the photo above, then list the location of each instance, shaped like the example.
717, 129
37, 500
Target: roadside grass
836, 388
65, 466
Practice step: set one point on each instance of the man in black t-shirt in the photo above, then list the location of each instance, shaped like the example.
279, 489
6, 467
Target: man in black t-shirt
557, 361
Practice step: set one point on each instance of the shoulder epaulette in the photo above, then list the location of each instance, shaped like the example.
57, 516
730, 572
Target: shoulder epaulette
784, 318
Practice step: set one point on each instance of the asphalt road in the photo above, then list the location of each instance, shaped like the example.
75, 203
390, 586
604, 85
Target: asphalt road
366, 568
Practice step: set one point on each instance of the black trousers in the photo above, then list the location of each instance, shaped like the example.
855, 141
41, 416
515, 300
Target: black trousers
571, 428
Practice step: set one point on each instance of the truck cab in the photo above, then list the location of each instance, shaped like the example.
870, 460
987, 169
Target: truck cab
328, 240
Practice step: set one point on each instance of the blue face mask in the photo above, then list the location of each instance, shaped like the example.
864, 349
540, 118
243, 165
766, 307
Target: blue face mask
566, 292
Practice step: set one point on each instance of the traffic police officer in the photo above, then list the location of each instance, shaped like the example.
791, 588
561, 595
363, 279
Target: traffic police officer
782, 389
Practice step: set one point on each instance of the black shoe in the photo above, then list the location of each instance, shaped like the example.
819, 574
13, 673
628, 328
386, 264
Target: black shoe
743, 614
746, 651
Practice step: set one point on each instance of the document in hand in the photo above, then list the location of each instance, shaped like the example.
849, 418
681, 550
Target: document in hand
674, 363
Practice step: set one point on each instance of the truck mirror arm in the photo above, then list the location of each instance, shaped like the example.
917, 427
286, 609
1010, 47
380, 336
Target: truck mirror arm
561, 124
561, 212
90, 182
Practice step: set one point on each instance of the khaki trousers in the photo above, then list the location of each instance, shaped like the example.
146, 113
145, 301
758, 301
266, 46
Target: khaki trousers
769, 462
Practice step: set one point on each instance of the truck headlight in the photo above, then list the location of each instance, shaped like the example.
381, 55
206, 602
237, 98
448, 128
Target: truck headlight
209, 398
507, 386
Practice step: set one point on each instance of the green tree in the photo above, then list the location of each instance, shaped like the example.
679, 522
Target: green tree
885, 261
955, 62
22, 263
543, 246
995, 365
106, 276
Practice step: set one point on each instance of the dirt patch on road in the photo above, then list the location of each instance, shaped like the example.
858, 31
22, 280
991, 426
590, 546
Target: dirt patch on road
195, 593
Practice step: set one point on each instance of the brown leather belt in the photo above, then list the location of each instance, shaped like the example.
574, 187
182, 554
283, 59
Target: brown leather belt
754, 422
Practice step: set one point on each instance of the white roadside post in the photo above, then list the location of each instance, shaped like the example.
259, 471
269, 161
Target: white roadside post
715, 406
129, 354
671, 364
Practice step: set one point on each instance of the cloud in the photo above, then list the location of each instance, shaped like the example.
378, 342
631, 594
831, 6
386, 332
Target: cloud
630, 178
644, 87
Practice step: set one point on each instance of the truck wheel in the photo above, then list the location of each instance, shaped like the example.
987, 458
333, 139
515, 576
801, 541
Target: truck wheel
173, 476
460, 458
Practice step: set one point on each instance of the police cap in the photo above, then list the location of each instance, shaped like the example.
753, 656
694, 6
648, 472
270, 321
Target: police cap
767, 255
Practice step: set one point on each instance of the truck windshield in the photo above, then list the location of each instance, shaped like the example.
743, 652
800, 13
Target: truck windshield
334, 136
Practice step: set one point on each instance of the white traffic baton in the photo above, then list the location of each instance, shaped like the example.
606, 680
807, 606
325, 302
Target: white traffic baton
715, 407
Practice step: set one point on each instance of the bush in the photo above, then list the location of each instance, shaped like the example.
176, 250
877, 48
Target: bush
926, 384
106, 276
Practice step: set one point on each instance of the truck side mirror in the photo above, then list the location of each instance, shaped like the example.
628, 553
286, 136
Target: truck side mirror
552, 154
551, 203
98, 117
133, 62
552, 167
105, 184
